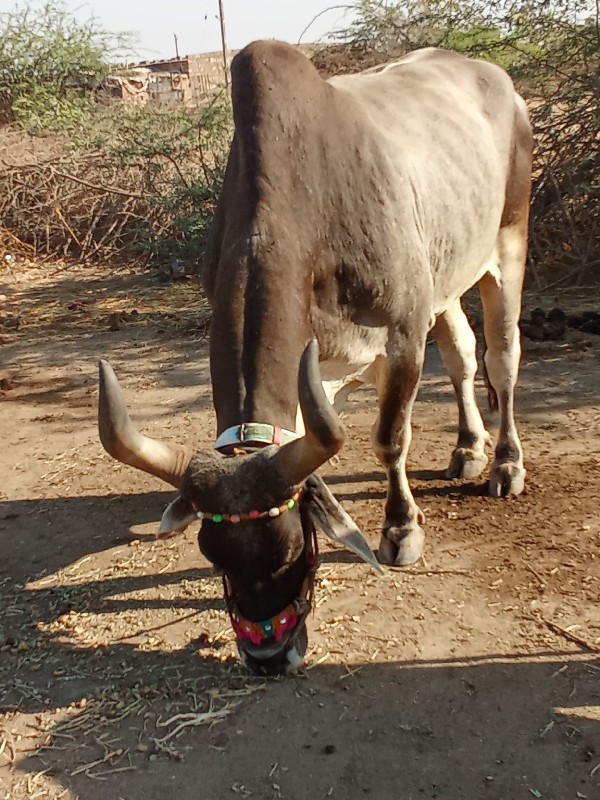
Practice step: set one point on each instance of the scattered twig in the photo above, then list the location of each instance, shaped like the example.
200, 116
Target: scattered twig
537, 575
569, 635
429, 571
193, 720
143, 631
6, 744
97, 187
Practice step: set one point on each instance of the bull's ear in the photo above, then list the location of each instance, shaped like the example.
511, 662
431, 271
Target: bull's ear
328, 515
177, 516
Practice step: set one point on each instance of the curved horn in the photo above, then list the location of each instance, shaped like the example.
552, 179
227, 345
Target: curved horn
324, 431
124, 442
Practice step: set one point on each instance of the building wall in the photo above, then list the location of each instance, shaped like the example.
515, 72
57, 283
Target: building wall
168, 87
190, 80
207, 75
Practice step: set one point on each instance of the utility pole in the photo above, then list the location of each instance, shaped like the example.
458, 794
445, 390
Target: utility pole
223, 42
176, 45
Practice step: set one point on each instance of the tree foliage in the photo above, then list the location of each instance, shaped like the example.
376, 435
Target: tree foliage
130, 182
50, 63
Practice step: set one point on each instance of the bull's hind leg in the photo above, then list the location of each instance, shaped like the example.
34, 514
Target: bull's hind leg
458, 348
501, 298
402, 537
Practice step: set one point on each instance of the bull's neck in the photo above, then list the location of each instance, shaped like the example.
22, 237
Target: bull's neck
259, 329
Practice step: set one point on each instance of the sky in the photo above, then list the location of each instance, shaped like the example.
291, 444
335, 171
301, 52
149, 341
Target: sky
153, 22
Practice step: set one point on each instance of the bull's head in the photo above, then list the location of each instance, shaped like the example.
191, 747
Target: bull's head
258, 511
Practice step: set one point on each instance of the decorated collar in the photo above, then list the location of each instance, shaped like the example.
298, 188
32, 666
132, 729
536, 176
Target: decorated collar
275, 511
274, 627
254, 433
288, 619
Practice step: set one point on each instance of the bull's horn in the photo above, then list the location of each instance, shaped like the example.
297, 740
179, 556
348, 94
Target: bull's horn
324, 431
120, 438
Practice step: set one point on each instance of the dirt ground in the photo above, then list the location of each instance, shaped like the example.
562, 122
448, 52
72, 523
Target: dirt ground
473, 674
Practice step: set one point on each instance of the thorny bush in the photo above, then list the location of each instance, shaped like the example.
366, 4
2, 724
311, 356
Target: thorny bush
123, 182
134, 183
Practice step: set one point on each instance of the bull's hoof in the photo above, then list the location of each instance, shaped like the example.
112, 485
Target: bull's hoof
401, 545
466, 463
506, 479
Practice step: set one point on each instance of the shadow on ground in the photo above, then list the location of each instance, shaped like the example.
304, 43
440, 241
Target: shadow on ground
58, 532
505, 728
165, 342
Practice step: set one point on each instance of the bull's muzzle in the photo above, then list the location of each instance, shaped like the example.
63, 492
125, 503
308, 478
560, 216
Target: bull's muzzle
275, 658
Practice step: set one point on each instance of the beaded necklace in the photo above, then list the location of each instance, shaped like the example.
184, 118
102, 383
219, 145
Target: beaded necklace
273, 512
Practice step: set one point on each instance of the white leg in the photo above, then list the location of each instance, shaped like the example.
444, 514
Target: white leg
501, 298
402, 537
458, 348
337, 392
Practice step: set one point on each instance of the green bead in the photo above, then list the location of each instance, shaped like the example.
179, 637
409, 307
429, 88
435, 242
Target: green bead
291, 504
217, 518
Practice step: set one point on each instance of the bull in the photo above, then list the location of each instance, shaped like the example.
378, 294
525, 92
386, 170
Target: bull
355, 212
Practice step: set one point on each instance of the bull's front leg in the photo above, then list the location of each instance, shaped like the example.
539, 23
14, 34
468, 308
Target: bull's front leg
402, 536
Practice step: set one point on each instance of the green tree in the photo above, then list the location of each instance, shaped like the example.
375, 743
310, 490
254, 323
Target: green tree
50, 64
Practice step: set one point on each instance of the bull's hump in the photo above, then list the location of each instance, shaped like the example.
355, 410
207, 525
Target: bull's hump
267, 53
269, 74
283, 121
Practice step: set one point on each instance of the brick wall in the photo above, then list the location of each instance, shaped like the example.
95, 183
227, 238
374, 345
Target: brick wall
189, 80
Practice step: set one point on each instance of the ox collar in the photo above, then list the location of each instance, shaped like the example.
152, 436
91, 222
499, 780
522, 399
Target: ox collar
253, 434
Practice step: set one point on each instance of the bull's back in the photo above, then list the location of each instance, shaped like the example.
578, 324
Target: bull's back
447, 125
384, 186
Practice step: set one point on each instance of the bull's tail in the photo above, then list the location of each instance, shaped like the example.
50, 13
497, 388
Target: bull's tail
492, 397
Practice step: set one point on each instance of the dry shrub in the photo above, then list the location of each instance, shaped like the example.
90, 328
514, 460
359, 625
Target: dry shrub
96, 184
341, 59
80, 209
134, 184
